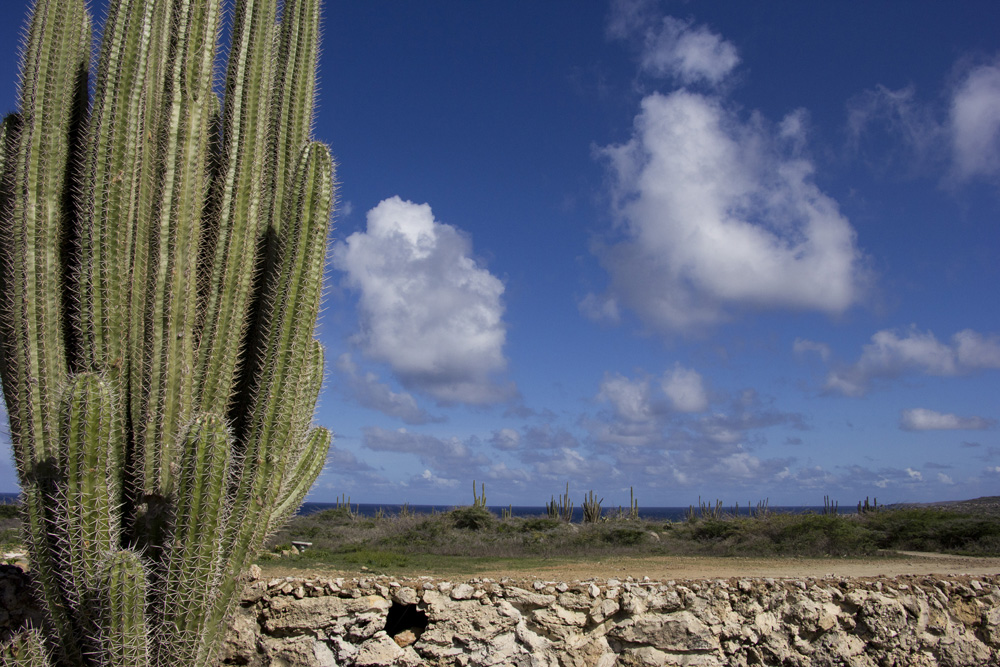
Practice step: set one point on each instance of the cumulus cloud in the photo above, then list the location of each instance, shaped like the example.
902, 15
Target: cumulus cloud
717, 216
685, 389
369, 392
560, 464
974, 122
672, 47
630, 399
891, 354
427, 307
506, 439
922, 419
651, 434
451, 455
640, 407
344, 461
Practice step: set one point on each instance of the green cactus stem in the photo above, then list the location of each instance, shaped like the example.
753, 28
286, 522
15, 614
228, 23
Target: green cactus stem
161, 265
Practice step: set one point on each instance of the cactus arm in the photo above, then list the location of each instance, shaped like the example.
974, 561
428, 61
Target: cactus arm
85, 523
56, 54
245, 133
307, 456
115, 151
174, 246
150, 175
120, 607
307, 388
52, 74
294, 90
9, 133
194, 556
293, 298
25, 649
301, 476
89, 480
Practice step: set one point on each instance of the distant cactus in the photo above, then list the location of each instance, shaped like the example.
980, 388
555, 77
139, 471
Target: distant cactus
867, 507
480, 499
708, 511
161, 262
591, 509
561, 509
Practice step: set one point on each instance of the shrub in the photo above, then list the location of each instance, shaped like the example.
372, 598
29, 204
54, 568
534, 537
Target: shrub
473, 517
625, 536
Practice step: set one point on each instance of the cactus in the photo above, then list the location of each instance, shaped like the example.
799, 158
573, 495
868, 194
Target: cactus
591, 509
563, 509
708, 511
868, 508
478, 500
161, 262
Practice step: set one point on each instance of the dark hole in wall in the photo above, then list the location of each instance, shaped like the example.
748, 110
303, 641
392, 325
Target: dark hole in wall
405, 617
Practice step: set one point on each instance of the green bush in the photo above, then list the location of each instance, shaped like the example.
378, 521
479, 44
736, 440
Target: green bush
473, 517
625, 536
9, 510
928, 529
715, 529
539, 524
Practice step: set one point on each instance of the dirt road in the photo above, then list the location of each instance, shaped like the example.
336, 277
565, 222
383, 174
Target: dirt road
674, 567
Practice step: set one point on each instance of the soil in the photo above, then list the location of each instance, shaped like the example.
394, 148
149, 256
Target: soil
665, 568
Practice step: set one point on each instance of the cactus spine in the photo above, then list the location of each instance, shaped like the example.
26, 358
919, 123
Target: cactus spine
161, 262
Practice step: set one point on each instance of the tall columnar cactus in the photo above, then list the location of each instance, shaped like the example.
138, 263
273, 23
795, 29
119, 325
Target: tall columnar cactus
160, 279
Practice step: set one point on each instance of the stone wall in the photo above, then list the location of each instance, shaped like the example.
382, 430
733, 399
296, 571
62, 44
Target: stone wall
376, 621
911, 621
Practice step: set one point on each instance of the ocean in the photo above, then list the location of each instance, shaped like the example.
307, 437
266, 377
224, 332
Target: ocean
648, 513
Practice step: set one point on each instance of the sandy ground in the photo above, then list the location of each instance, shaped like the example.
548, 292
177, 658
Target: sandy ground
667, 567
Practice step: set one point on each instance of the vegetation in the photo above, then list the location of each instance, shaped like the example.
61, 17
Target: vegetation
467, 538
591, 509
561, 509
161, 260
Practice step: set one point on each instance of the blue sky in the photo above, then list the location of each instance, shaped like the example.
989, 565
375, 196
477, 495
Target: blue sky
735, 250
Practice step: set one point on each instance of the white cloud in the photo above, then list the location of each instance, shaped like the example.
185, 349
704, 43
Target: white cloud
569, 463
685, 389
802, 346
915, 475
506, 439
673, 47
430, 479
975, 122
945, 479
427, 308
717, 217
974, 350
690, 53
891, 354
630, 399
450, 455
922, 419
369, 392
